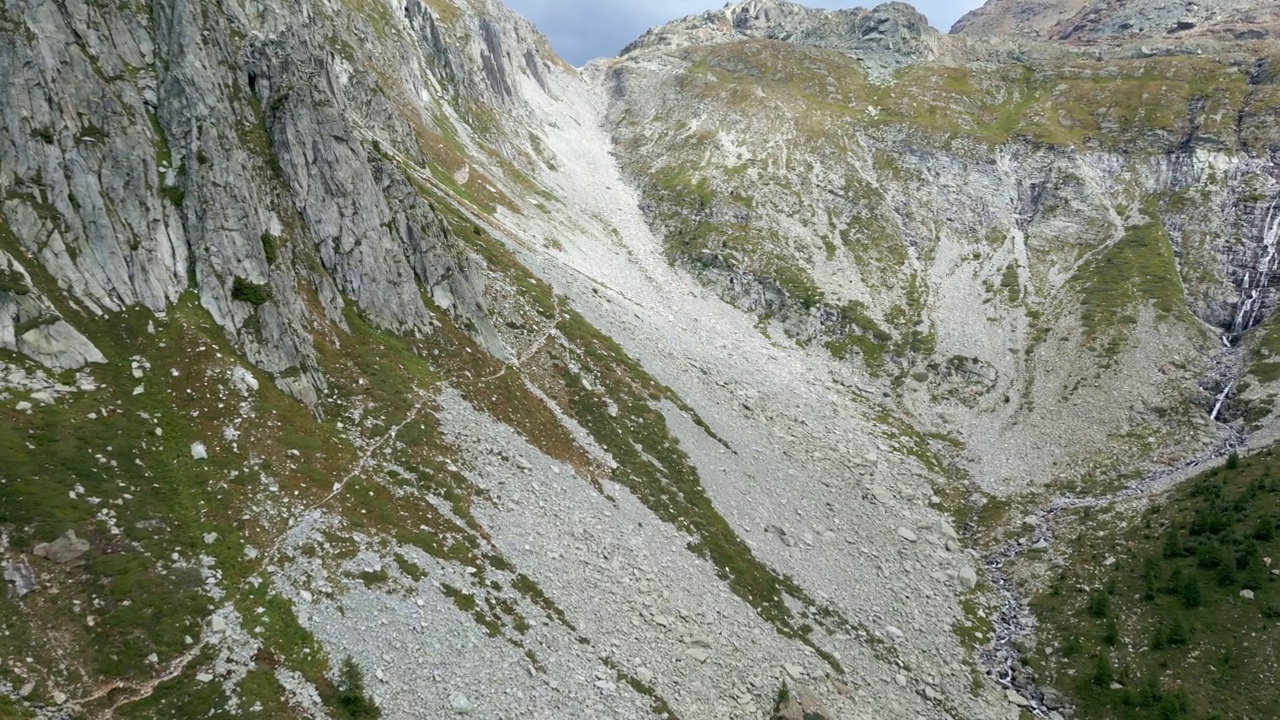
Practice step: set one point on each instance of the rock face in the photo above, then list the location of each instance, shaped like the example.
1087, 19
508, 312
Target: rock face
1087, 21
232, 188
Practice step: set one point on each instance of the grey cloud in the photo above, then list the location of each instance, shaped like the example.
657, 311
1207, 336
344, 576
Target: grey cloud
584, 29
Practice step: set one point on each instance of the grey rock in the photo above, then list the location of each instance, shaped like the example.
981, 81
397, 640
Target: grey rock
907, 534
19, 573
800, 704
698, 654
59, 347
198, 451
968, 578
461, 705
63, 550
1016, 699
58, 697
26, 689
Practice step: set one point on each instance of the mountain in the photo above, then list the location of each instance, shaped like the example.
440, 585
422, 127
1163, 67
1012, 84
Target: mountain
366, 359
1118, 20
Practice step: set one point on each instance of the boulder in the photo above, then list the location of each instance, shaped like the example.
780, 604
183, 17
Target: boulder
461, 705
64, 549
799, 704
19, 573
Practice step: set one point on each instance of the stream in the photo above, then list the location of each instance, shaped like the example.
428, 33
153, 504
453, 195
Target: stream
1001, 658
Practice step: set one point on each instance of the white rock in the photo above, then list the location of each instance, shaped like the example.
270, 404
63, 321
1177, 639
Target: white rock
153, 658
968, 578
217, 624
644, 675
1246, 594
698, 654
58, 697
244, 380
893, 633
795, 672
907, 534
43, 397
305, 595
1016, 699
204, 677
198, 451
26, 689
461, 705
22, 406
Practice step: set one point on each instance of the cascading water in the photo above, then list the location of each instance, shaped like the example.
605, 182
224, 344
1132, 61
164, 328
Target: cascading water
1257, 280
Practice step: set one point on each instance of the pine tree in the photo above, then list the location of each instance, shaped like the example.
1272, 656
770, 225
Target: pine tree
352, 699
1190, 592
1103, 674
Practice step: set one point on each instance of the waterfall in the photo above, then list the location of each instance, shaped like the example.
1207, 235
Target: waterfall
1251, 289
1222, 398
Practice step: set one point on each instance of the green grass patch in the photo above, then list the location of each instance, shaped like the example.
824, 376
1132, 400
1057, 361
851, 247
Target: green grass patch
1138, 270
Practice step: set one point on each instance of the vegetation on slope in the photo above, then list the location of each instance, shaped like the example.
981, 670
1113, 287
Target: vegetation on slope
1171, 611
1137, 270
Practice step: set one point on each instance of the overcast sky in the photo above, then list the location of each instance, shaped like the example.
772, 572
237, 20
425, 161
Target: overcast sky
584, 29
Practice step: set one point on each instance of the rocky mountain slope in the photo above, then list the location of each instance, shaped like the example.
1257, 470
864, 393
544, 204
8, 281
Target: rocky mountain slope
1082, 21
1043, 257
660, 388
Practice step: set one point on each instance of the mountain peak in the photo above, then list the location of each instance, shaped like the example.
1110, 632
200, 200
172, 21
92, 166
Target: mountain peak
888, 35
1089, 21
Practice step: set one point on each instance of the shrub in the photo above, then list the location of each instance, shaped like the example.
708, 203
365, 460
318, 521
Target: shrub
270, 247
252, 293
1265, 529
1233, 461
1103, 674
1111, 633
1190, 593
1100, 604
